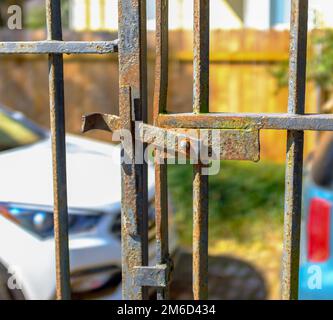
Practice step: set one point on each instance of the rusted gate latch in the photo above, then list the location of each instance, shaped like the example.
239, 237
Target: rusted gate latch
217, 144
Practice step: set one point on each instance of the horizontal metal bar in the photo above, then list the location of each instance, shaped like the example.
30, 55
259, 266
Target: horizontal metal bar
156, 276
60, 47
258, 121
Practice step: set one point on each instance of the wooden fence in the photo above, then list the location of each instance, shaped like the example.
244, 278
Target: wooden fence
240, 77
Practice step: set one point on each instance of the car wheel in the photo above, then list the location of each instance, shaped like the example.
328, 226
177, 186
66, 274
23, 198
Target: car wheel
5, 293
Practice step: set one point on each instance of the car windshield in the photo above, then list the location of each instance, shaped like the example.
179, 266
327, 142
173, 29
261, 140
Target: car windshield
17, 131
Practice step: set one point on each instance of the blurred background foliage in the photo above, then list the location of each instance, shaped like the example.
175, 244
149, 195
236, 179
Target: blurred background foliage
36, 19
240, 193
320, 62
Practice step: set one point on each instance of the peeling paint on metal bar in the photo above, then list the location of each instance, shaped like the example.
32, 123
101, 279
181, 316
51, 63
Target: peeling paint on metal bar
259, 121
160, 103
133, 106
295, 146
200, 182
60, 47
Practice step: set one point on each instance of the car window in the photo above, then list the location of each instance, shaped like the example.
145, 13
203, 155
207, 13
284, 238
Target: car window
14, 133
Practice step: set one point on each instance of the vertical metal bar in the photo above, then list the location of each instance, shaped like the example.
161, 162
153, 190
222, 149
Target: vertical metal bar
161, 208
133, 106
200, 181
201, 57
58, 132
295, 143
160, 102
200, 234
162, 58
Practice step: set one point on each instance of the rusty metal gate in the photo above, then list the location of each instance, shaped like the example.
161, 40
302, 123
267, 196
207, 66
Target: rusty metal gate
239, 140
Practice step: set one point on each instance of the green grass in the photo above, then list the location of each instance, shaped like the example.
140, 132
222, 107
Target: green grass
245, 200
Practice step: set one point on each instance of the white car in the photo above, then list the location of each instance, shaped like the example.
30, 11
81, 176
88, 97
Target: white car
27, 255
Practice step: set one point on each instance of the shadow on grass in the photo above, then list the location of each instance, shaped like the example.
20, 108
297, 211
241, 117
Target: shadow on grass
228, 279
